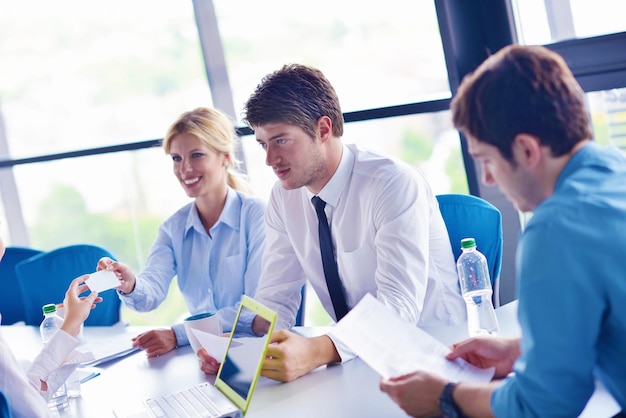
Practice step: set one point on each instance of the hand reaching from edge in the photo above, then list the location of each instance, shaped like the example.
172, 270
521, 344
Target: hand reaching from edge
486, 352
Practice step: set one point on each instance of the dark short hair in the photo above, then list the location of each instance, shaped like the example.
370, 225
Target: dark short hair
296, 95
522, 89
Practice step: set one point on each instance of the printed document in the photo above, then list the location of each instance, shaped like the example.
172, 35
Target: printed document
394, 347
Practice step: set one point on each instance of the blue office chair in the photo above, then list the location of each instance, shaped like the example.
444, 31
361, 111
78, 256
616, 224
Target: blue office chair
301, 309
11, 305
468, 216
5, 408
45, 278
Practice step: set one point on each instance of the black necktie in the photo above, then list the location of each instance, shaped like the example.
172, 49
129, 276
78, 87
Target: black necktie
328, 261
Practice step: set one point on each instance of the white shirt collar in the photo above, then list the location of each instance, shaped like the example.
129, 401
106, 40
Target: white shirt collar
331, 192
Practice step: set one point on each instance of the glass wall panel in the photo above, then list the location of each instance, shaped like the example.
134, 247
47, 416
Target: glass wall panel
79, 74
548, 21
375, 54
116, 201
608, 114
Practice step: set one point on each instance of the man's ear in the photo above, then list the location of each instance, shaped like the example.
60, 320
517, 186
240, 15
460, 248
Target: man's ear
324, 128
527, 150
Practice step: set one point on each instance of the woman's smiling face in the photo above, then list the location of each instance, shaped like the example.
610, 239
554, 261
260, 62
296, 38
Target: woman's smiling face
199, 169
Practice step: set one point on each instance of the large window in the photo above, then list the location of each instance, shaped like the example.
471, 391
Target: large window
81, 75
547, 21
608, 114
375, 54
77, 76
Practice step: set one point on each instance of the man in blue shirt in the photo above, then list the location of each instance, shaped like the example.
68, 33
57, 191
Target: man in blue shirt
524, 117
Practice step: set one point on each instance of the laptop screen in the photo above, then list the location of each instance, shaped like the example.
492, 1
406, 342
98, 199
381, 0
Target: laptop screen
242, 363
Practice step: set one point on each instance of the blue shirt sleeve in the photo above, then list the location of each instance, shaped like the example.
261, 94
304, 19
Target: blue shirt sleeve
152, 284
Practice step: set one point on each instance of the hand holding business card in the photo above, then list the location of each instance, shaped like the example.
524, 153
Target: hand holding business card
102, 280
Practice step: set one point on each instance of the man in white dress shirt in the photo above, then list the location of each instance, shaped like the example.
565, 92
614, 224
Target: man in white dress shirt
388, 235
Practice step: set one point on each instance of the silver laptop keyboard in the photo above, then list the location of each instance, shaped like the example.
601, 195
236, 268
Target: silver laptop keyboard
190, 402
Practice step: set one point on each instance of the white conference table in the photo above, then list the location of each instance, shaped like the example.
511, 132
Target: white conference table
347, 390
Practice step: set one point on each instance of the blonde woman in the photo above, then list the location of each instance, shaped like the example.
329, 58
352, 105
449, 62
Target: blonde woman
213, 245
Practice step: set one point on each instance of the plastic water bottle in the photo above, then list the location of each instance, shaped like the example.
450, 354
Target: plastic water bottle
51, 322
476, 288
49, 326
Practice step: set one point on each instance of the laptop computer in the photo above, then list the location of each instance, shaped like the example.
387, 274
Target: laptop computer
235, 380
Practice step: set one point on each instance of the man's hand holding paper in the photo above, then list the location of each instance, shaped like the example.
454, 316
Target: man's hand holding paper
213, 349
394, 347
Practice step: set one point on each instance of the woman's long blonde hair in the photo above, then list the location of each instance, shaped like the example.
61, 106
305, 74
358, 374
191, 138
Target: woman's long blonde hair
215, 130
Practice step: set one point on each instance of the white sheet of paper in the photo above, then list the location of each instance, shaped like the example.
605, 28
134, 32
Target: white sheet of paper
102, 280
215, 345
78, 357
394, 347
102, 351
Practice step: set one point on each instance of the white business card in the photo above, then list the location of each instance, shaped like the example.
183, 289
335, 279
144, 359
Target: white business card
102, 280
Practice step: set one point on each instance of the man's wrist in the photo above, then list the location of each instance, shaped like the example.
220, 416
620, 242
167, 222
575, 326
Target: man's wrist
259, 326
325, 350
121, 292
71, 327
448, 406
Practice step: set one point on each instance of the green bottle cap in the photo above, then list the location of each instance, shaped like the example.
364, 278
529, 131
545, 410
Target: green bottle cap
468, 243
49, 308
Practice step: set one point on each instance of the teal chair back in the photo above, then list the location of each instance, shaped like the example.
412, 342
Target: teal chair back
45, 278
5, 408
302, 308
11, 306
468, 216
